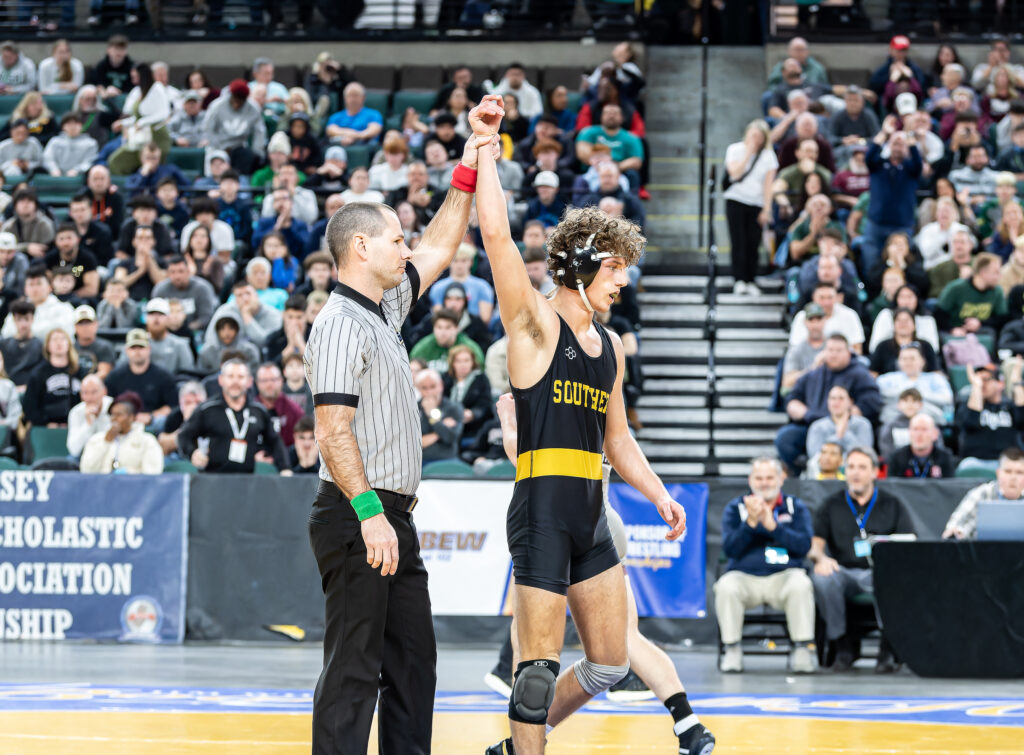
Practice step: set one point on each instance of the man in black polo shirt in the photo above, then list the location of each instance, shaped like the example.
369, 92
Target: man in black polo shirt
842, 525
154, 385
68, 253
923, 458
93, 235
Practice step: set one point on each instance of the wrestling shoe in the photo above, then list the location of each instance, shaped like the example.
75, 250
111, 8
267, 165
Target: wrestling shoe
696, 740
504, 747
629, 689
500, 680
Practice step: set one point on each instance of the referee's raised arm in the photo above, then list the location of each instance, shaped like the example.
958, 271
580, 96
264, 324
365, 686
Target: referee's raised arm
442, 236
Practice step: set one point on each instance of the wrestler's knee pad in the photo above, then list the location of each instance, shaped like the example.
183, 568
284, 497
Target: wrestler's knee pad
533, 691
595, 678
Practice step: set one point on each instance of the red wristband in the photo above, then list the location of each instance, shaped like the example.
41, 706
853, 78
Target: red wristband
464, 179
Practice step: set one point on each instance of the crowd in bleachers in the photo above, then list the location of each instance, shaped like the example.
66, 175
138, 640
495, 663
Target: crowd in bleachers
157, 240
894, 212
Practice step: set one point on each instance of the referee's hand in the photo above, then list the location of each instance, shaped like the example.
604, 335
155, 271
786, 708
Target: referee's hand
381, 544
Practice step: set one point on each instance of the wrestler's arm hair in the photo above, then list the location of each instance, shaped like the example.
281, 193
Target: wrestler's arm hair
339, 448
620, 446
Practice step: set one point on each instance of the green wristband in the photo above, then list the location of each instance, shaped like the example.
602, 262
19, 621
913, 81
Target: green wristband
367, 504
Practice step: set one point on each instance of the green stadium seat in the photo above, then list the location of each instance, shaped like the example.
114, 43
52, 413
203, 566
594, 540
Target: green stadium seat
118, 181
11, 181
116, 104
69, 185
957, 377
977, 472
985, 339
375, 100
48, 442
187, 158
59, 103
265, 468
4, 120
8, 102
180, 467
419, 101
6, 462
575, 101
358, 156
393, 122
447, 468
503, 470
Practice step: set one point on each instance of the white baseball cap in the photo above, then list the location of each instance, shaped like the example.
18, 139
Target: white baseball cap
8, 240
158, 305
546, 178
906, 103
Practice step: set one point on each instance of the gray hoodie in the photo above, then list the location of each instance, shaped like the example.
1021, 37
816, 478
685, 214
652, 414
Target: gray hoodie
19, 78
184, 126
198, 299
172, 353
227, 128
62, 153
266, 321
30, 150
209, 357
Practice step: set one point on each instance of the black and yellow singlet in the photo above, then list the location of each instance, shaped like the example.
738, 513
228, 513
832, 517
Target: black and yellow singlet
557, 531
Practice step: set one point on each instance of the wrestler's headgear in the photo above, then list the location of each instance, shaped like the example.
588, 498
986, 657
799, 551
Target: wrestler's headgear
579, 270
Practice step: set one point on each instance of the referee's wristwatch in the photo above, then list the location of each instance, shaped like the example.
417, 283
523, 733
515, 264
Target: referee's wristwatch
435, 416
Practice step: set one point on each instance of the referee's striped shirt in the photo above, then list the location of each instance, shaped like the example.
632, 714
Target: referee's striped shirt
355, 357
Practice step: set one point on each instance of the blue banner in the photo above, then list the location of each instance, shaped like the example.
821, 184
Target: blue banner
92, 556
667, 576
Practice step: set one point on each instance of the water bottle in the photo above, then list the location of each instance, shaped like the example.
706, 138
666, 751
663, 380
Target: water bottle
792, 290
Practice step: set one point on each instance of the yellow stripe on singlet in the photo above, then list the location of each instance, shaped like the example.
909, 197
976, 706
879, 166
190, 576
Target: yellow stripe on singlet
558, 462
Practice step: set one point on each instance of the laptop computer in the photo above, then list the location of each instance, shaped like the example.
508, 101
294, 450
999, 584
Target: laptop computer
1001, 520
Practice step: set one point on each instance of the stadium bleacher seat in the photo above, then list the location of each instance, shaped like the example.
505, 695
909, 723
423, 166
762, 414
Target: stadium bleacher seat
503, 470
979, 472
56, 189
48, 443
376, 100
265, 468
358, 156
575, 101
419, 101
182, 466
6, 462
8, 102
957, 377
421, 77
187, 158
447, 468
59, 103
375, 77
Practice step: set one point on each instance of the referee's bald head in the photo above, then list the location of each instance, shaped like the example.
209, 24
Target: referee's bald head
367, 219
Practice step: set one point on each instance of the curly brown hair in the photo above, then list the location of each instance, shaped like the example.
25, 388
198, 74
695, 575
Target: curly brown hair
615, 235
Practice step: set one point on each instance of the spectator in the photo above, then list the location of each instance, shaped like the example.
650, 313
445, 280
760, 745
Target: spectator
627, 150
1011, 228
923, 458
196, 295
97, 118
828, 465
418, 192
623, 68
988, 422
330, 175
469, 324
304, 201
802, 357
227, 329
149, 109
237, 429
216, 163
117, 309
171, 211
806, 127
95, 354
990, 213
957, 267
547, 206
847, 571
10, 404
305, 456
751, 166
295, 386
1011, 160
547, 130
535, 258
277, 93
359, 188
142, 270
21, 351
792, 180
13, 265
17, 72
284, 413
514, 82
355, 123
71, 152
933, 387
152, 171
168, 351
479, 294
440, 418
90, 416
792, 79
391, 174
259, 271
222, 236
971, 304
187, 125
143, 209
93, 236
278, 151
608, 186
319, 267
235, 125
898, 254
458, 106
893, 190
107, 203
256, 319
113, 73
840, 425
804, 236
49, 311
976, 177
900, 327
765, 536
933, 240
20, 154
60, 73
444, 133
290, 340
854, 124
466, 385
234, 208
190, 395
63, 282
462, 78
154, 385
838, 318
1008, 486
285, 222
125, 447
68, 254
53, 387
32, 229
433, 349
306, 154
808, 399
998, 58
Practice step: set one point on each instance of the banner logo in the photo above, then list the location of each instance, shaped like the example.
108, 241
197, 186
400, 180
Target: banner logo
141, 618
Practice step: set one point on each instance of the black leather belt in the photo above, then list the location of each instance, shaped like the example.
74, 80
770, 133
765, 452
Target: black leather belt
388, 499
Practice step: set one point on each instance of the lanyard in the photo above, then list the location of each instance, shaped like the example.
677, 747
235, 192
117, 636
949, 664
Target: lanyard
862, 520
918, 471
239, 434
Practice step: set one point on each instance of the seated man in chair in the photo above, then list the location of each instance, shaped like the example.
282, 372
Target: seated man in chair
766, 535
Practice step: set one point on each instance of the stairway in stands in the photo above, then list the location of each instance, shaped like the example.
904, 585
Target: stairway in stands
678, 427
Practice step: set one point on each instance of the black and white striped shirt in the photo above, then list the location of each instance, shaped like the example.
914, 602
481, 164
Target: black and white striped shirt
355, 357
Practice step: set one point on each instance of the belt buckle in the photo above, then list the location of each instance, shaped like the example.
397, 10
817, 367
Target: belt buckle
412, 505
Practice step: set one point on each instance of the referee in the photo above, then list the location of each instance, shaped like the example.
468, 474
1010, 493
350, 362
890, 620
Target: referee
379, 637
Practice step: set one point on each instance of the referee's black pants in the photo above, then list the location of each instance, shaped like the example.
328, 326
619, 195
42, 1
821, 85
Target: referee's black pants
379, 637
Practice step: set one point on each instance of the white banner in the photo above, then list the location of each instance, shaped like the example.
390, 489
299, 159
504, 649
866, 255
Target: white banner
461, 526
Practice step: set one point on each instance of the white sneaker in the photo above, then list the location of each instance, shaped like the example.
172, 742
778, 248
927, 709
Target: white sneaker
801, 661
131, 19
732, 661
753, 290
740, 288
93, 21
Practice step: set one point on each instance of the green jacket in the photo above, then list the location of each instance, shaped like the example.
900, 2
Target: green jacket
436, 356
960, 300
